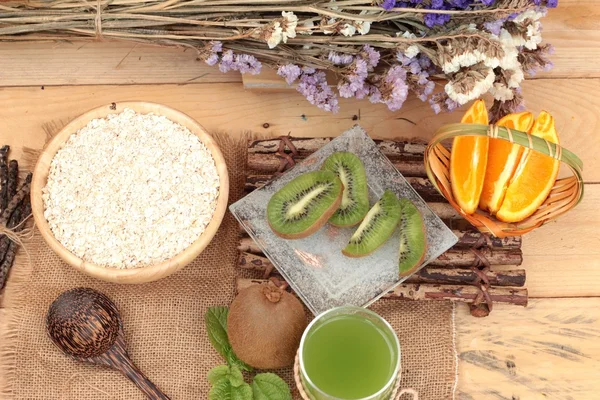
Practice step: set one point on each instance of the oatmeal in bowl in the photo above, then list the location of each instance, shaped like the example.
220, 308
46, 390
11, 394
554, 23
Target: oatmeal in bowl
130, 195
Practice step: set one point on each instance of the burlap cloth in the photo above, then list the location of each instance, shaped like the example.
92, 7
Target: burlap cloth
164, 325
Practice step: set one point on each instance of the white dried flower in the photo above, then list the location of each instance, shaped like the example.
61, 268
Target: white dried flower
362, 27
501, 92
516, 77
348, 30
307, 24
330, 21
412, 51
462, 92
289, 23
276, 35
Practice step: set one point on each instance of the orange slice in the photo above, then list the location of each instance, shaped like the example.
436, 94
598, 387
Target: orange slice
468, 161
503, 159
534, 178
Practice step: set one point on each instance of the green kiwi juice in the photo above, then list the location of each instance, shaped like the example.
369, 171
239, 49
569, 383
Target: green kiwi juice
349, 353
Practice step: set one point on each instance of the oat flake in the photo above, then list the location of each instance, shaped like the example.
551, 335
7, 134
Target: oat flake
130, 190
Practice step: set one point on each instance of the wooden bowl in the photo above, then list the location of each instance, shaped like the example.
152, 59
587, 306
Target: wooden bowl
131, 275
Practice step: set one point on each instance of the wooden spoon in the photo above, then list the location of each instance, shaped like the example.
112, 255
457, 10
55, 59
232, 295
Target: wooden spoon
85, 324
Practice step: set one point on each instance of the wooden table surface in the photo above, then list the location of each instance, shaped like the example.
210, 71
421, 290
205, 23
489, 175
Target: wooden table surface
549, 350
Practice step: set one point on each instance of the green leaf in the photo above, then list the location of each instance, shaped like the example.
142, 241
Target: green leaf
218, 373
233, 360
216, 327
235, 376
224, 390
269, 386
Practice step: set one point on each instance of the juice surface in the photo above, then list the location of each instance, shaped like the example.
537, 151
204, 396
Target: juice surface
349, 357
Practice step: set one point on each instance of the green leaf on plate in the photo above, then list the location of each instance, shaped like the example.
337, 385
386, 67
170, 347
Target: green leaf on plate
218, 373
224, 390
269, 386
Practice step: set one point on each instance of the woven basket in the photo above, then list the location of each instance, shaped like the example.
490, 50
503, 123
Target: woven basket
565, 194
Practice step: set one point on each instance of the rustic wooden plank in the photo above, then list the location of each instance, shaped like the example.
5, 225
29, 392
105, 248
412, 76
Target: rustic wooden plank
549, 350
225, 106
98, 63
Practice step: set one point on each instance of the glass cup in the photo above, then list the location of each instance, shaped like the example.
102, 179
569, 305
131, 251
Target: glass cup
365, 319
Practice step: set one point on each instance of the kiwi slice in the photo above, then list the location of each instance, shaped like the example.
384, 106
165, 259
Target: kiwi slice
377, 226
355, 199
305, 204
413, 240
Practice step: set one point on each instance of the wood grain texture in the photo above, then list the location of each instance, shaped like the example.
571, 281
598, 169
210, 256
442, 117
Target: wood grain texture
573, 29
574, 104
45, 64
549, 350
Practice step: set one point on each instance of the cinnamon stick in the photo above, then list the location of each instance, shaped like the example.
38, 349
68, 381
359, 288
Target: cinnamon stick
417, 291
13, 177
17, 220
425, 275
393, 149
4, 177
455, 258
270, 163
16, 200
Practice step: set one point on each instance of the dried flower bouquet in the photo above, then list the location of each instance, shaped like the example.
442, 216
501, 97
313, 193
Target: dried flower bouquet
379, 49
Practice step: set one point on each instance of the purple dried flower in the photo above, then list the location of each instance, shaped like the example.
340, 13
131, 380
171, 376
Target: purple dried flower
354, 80
432, 20
487, 2
372, 56
494, 26
216, 46
388, 4
227, 63
290, 72
239, 62
212, 59
247, 63
441, 102
340, 58
392, 89
313, 85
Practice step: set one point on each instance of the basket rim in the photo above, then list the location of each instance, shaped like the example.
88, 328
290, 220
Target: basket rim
437, 157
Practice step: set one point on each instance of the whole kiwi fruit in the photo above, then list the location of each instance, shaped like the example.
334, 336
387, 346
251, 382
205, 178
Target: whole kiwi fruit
265, 325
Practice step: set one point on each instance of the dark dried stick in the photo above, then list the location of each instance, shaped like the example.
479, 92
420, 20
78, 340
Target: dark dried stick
4, 177
13, 178
16, 199
9, 248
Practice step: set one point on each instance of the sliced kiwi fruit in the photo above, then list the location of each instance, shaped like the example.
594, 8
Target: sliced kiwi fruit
355, 198
377, 226
413, 240
304, 205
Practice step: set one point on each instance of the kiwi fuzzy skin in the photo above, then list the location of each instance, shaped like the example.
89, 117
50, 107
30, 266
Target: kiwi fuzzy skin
317, 225
265, 325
